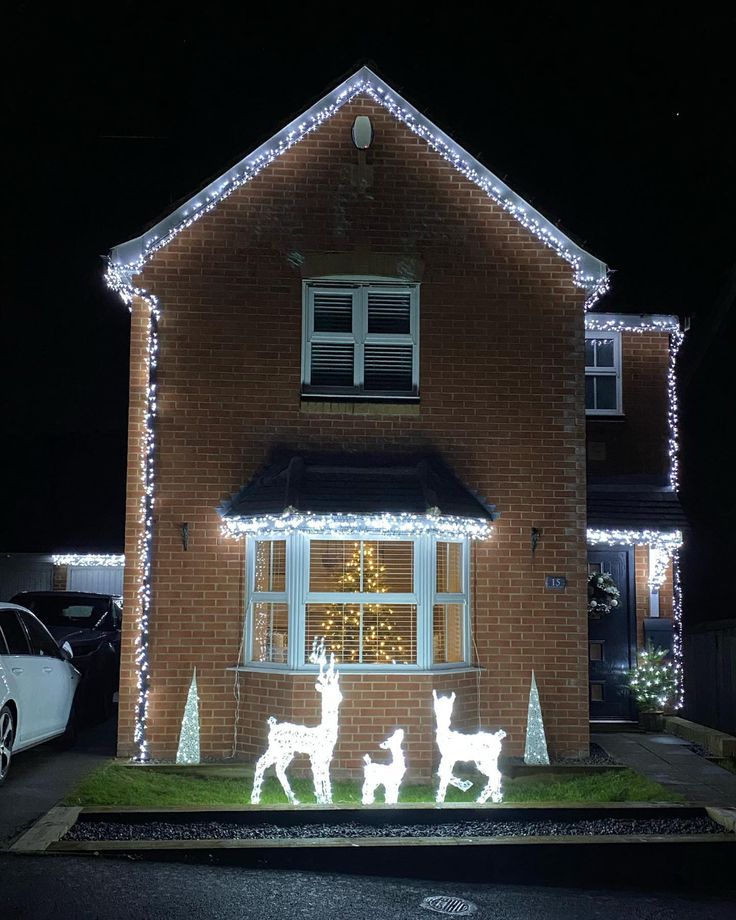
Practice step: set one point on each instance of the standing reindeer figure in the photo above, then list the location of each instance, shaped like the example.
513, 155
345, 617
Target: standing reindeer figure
483, 748
286, 740
388, 775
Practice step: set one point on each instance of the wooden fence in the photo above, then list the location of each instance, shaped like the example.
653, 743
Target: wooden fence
710, 675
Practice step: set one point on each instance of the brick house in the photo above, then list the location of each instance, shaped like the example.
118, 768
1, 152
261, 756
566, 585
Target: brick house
358, 410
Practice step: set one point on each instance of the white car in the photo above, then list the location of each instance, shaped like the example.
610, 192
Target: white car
37, 684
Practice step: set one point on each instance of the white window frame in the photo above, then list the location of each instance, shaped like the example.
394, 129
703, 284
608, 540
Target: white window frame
615, 371
359, 337
297, 596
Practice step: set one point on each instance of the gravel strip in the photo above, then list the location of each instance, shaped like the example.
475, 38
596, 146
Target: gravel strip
218, 830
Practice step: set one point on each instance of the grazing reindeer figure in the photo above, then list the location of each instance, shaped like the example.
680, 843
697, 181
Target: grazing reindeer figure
388, 775
483, 748
286, 740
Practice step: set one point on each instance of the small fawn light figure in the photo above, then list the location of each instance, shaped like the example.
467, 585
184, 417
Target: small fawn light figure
483, 748
286, 740
388, 775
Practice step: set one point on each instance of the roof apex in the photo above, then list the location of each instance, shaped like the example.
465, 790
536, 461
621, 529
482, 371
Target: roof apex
127, 258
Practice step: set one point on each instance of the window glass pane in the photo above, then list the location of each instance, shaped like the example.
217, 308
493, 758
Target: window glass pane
41, 642
605, 392
449, 568
447, 633
589, 353
332, 364
388, 567
589, 393
334, 565
270, 633
270, 572
604, 353
333, 311
3, 646
364, 633
389, 312
357, 566
14, 634
388, 367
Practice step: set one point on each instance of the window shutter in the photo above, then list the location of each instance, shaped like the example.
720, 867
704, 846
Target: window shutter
388, 367
333, 311
389, 312
332, 364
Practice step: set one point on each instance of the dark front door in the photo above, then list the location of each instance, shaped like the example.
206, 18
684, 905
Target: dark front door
611, 640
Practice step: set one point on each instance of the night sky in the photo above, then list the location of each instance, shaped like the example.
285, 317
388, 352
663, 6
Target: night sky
621, 128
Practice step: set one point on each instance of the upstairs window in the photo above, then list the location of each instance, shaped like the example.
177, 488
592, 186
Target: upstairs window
603, 373
361, 340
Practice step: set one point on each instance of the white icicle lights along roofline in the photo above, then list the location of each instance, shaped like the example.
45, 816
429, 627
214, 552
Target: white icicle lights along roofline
127, 259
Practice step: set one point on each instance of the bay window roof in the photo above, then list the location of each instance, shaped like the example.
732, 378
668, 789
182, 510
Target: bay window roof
357, 484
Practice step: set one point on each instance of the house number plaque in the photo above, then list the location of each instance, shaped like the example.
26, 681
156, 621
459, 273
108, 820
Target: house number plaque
555, 582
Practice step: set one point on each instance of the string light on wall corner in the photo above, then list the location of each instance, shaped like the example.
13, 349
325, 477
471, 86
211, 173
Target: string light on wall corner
120, 281
677, 650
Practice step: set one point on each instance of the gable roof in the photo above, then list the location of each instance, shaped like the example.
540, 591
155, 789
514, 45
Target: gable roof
126, 259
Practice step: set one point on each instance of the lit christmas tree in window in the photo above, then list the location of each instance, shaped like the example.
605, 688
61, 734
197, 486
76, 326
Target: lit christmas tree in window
368, 633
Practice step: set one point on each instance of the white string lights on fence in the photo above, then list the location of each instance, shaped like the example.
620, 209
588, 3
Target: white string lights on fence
95, 559
395, 524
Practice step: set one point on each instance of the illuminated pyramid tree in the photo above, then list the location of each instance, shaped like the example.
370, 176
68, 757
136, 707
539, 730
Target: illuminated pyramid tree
188, 751
381, 641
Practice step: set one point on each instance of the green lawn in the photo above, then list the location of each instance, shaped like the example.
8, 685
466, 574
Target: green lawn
115, 784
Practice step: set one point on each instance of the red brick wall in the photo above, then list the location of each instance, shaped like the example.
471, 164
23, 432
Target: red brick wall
636, 443
501, 398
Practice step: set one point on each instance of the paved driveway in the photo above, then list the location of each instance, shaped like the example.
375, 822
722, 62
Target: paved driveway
40, 777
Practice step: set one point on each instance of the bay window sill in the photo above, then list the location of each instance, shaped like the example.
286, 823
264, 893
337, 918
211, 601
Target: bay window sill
406, 670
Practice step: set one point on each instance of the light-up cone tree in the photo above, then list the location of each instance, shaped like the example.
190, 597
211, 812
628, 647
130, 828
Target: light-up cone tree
188, 751
382, 643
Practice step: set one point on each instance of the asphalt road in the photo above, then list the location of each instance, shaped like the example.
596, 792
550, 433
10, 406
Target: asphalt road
90, 887
43, 775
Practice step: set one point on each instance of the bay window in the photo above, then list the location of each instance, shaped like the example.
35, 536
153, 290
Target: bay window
380, 602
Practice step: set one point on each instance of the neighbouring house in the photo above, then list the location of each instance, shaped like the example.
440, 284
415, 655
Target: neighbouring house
363, 381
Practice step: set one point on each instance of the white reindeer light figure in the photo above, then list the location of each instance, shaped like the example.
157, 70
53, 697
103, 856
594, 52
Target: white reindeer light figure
483, 748
286, 740
388, 775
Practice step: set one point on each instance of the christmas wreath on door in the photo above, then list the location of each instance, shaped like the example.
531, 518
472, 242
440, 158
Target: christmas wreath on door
603, 595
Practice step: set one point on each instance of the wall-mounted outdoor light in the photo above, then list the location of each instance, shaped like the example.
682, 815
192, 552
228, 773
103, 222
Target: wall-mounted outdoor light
362, 132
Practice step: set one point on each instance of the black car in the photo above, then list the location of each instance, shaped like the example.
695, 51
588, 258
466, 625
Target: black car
90, 624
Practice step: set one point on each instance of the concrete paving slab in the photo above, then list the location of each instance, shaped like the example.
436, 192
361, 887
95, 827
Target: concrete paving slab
668, 760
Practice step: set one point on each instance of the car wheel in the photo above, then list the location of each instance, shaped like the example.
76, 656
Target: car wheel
7, 737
